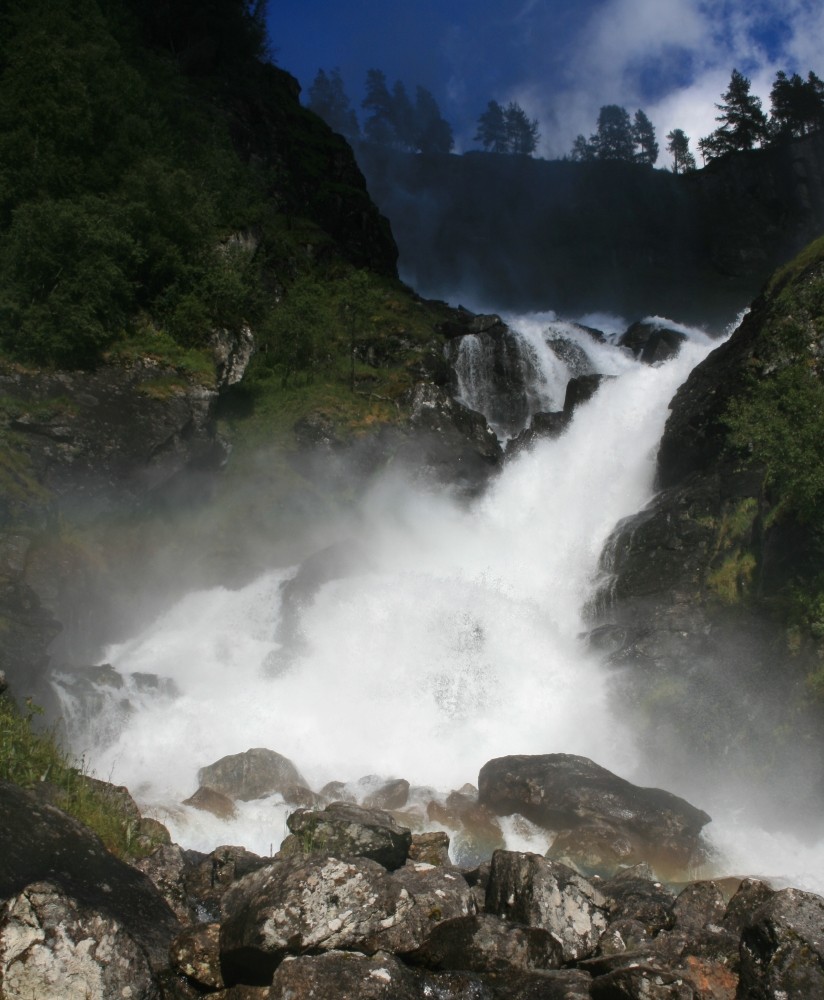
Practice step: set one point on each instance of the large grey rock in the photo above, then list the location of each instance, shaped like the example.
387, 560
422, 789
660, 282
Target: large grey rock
486, 943
348, 830
439, 894
529, 889
195, 954
75, 876
303, 904
641, 982
55, 947
782, 949
253, 774
339, 974
567, 792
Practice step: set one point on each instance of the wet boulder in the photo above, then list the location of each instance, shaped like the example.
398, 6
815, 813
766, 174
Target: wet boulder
337, 974
195, 954
430, 848
782, 949
439, 894
66, 896
297, 905
642, 982
207, 877
391, 795
57, 947
564, 792
652, 342
348, 830
530, 890
251, 775
486, 943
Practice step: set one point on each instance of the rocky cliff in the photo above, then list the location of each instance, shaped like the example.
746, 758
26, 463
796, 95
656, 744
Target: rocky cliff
608, 236
714, 607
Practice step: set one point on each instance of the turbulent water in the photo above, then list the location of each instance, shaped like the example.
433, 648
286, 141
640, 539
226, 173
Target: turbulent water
455, 640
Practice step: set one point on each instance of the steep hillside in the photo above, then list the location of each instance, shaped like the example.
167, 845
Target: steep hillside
717, 602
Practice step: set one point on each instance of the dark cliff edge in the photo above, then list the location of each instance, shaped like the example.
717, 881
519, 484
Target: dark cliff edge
712, 618
602, 236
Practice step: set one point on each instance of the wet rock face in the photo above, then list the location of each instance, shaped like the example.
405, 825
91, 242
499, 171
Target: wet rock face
74, 914
347, 830
652, 343
306, 904
251, 775
55, 947
534, 891
782, 949
344, 974
563, 792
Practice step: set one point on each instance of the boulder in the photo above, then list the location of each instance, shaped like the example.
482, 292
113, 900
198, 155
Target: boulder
251, 775
57, 947
301, 904
195, 954
55, 871
634, 894
337, 974
641, 982
486, 943
530, 890
208, 876
391, 795
211, 801
782, 948
439, 894
652, 342
348, 830
567, 792
430, 848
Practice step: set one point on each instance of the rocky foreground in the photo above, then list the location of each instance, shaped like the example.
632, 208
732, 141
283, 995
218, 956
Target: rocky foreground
356, 905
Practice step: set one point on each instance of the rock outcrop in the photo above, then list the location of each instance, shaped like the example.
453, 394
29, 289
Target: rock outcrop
600, 820
711, 611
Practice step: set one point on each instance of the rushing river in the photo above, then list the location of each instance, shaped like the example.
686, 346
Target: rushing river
455, 639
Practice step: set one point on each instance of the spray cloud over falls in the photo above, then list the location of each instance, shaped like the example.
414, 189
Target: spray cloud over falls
452, 638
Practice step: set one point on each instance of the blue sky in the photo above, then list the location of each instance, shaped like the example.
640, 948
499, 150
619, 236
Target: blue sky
561, 60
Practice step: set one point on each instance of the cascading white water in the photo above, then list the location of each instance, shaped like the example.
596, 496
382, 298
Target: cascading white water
456, 641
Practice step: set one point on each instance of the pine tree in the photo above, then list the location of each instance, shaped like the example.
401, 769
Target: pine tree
521, 132
379, 126
328, 99
491, 132
614, 139
582, 149
743, 123
433, 134
797, 105
679, 146
643, 134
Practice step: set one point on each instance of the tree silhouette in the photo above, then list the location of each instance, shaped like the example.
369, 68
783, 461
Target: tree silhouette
521, 132
582, 149
797, 105
614, 138
328, 99
644, 136
742, 122
433, 134
679, 146
491, 132
379, 126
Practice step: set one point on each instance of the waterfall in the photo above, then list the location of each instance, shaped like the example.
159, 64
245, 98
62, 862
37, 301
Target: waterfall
457, 638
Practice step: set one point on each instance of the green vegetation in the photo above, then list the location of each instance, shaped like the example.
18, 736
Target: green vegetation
148, 191
34, 760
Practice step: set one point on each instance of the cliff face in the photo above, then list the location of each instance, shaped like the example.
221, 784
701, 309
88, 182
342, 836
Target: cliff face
715, 606
582, 237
